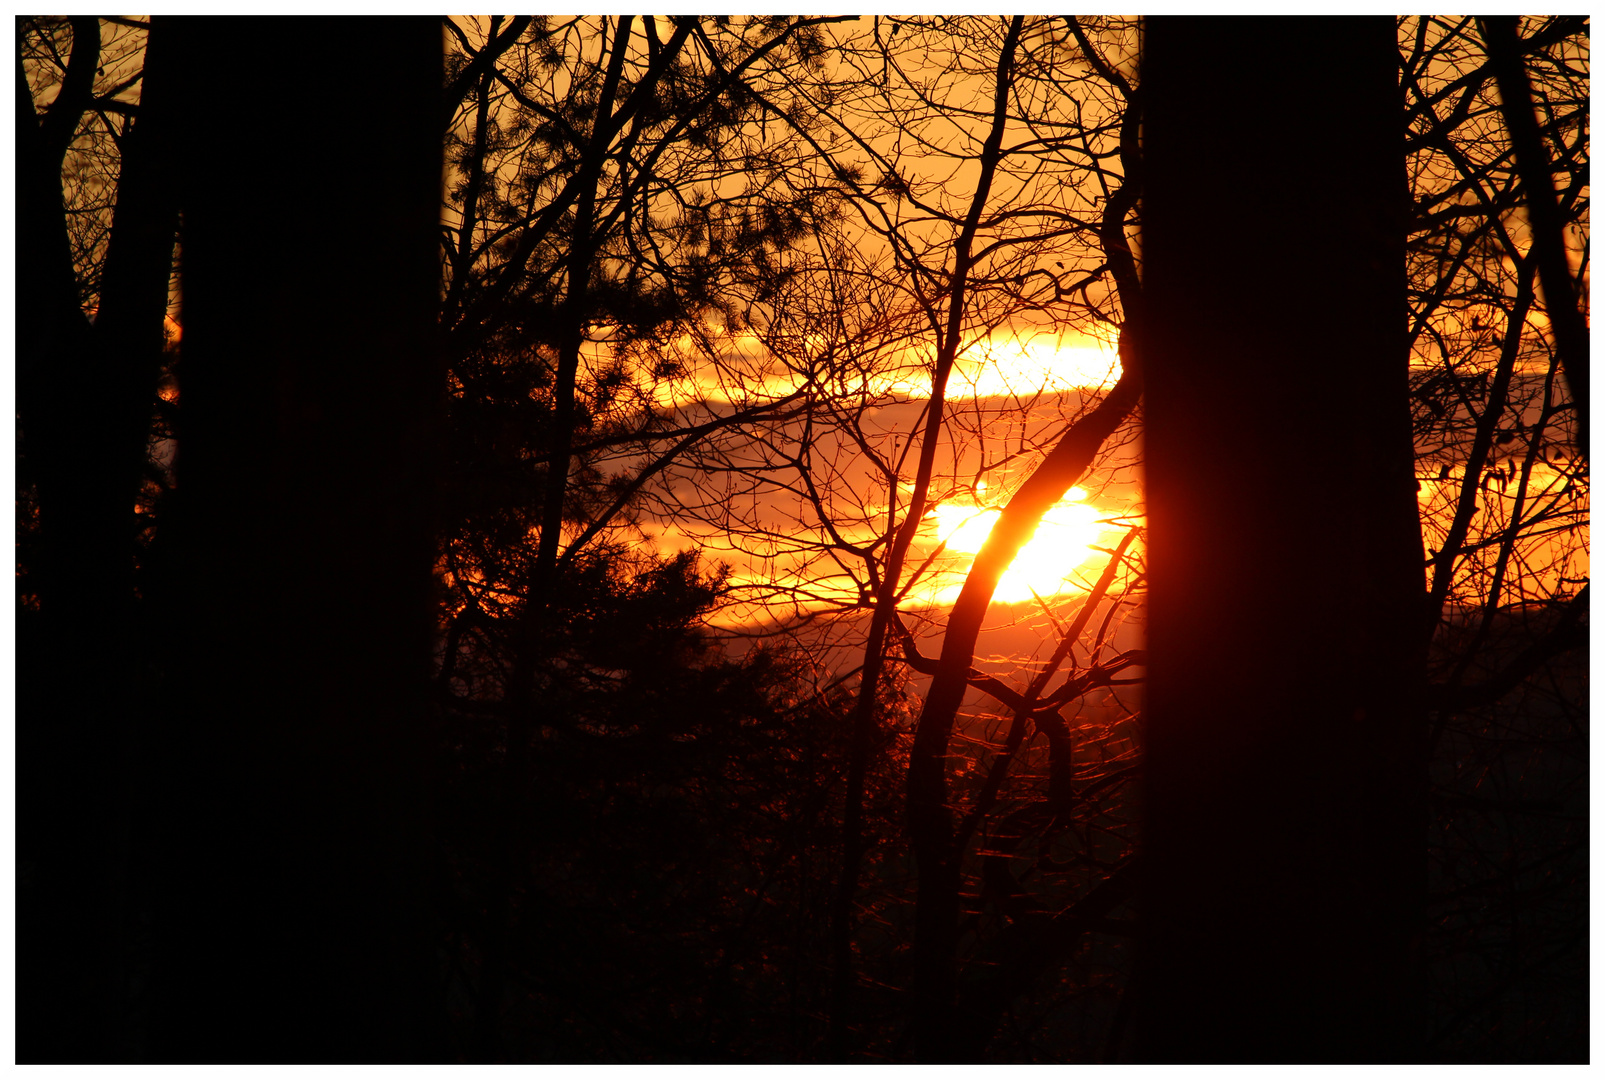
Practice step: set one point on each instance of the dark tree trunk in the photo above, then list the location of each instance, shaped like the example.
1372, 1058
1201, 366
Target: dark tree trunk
85, 396
292, 922
1284, 833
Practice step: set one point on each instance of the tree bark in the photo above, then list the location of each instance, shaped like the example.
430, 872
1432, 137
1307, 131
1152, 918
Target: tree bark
292, 918
1284, 843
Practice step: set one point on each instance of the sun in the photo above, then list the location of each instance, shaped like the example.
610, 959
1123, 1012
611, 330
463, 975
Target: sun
1061, 544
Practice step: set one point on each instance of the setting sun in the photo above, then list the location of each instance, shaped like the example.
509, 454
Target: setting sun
1058, 547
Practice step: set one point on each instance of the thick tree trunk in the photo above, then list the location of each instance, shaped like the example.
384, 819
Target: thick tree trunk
292, 921
1284, 856
85, 395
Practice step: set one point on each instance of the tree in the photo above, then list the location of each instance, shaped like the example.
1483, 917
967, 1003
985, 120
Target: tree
938, 845
286, 841
1525, 532
86, 397
956, 269
1548, 227
639, 203
1284, 867
1503, 503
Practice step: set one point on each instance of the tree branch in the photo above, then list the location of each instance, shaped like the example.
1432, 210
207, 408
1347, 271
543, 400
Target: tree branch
1548, 226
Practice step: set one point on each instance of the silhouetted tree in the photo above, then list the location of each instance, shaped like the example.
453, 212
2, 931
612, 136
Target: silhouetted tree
672, 906
86, 394
938, 842
612, 192
1504, 499
1501, 34
1285, 774
289, 833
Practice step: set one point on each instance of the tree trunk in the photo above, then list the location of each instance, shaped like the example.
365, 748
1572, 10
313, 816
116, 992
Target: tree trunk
292, 921
85, 396
1284, 843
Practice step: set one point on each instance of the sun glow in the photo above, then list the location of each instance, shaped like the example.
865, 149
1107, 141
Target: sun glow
740, 368
1044, 567
1014, 367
